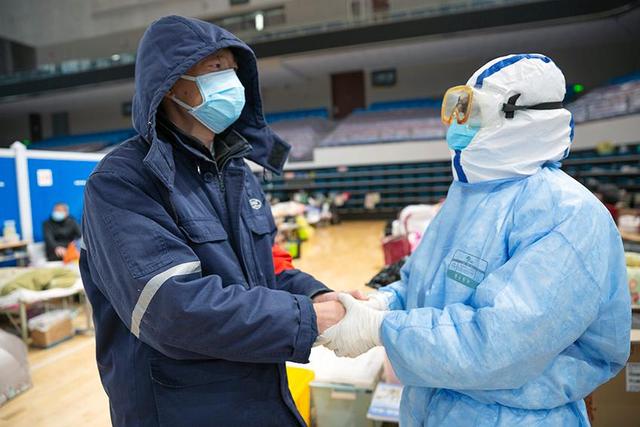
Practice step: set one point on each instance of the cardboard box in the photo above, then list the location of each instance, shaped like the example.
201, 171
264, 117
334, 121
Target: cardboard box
59, 331
616, 403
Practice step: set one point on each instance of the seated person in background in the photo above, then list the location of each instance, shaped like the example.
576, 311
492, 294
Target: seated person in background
59, 230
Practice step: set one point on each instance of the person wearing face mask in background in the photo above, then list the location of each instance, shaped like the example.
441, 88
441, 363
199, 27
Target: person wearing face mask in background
195, 310
514, 307
59, 230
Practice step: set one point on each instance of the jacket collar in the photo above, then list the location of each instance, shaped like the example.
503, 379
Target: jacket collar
160, 158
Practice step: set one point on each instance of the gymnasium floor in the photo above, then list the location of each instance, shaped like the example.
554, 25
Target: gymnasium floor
67, 391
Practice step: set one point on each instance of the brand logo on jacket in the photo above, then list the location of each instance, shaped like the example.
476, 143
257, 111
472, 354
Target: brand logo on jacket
255, 204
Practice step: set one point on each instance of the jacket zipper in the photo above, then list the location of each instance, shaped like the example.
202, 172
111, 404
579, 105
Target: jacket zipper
241, 151
220, 179
224, 161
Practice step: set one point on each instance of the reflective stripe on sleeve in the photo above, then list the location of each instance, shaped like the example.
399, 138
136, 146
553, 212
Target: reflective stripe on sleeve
152, 287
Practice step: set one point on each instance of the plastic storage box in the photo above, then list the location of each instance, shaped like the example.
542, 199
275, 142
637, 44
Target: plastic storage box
343, 387
337, 405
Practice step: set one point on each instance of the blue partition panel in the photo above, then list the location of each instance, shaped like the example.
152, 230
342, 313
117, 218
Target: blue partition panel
8, 193
64, 183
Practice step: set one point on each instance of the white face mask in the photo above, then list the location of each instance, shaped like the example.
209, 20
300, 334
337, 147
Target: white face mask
58, 216
222, 99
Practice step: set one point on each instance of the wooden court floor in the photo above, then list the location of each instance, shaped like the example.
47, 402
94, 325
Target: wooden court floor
66, 388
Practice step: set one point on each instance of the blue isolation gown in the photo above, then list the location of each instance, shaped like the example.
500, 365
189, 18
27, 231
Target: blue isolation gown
513, 308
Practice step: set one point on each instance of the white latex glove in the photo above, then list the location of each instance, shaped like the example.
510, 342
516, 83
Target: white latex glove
357, 333
377, 301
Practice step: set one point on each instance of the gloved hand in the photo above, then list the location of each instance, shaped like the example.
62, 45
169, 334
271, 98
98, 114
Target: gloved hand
377, 301
357, 333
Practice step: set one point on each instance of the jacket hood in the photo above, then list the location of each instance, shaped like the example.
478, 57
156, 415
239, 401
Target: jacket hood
168, 48
522, 145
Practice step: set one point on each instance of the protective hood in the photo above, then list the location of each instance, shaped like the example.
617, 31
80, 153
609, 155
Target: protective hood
522, 145
169, 47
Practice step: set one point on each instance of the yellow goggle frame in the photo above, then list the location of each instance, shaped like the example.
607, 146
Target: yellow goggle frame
457, 102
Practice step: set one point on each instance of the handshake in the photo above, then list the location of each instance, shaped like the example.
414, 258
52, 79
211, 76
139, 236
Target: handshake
349, 323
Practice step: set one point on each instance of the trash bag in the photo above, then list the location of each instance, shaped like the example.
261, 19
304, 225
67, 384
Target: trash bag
387, 275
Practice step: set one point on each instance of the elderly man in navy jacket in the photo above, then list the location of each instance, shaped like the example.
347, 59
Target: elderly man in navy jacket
193, 321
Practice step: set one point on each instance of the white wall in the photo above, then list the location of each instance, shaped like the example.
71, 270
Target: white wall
432, 78
620, 131
422, 81
312, 93
103, 118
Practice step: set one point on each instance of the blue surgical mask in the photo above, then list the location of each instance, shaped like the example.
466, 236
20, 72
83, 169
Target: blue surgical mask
58, 216
222, 99
460, 136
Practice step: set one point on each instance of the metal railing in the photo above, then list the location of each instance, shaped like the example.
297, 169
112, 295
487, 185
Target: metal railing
72, 66
370, 17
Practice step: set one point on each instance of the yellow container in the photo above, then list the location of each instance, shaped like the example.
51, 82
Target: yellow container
305, 231
299, 380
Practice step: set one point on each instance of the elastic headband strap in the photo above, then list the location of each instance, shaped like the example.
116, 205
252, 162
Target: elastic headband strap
510, 107
543, 106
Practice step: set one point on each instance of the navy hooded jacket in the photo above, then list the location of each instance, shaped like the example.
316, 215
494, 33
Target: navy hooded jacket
192, 324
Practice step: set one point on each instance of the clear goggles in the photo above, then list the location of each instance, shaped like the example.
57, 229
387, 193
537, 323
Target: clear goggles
458, 104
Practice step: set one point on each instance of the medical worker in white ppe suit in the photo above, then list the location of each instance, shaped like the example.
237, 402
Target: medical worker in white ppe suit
515, 305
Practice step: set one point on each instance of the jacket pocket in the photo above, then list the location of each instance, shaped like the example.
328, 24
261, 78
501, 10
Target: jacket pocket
202, 230
199, 393
184, 374
143, 249
255, 208
260, 224
257, 214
